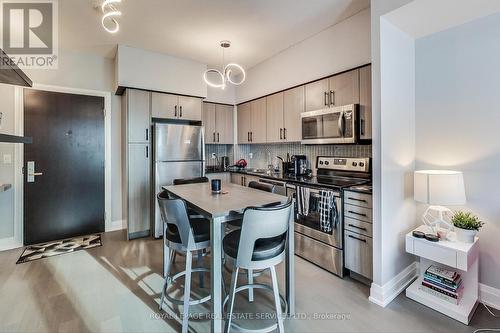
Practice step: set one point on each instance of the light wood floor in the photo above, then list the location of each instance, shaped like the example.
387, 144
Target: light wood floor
116, 287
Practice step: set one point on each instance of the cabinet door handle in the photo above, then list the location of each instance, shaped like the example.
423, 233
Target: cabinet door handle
214, 137
284, 133
355, 226
360, 239
332, 97
362, 125
326, 99
248, 136
281, 134
251, 136
147, 152
147, 134
218, 137
175, 111
355, 199
356, 213
180, 111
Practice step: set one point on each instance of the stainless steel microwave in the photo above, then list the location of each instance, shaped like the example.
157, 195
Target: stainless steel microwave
338, 125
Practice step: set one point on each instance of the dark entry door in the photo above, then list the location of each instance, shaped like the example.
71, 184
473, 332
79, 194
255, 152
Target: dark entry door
64, 167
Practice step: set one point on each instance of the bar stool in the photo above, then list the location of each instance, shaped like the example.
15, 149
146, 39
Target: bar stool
259, 244
187, 235
236, 224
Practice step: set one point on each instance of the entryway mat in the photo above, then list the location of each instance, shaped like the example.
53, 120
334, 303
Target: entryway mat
55, 248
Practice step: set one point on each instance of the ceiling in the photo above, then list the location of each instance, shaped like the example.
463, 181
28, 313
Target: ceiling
258, 29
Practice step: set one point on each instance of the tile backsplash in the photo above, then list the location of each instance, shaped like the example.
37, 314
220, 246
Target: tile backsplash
262, 154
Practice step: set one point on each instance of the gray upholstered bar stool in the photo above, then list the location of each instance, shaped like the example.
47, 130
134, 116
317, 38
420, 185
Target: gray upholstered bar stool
187, 235
259, 244
236, 224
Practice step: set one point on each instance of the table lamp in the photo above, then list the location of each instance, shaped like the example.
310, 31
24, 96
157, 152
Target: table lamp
439, 188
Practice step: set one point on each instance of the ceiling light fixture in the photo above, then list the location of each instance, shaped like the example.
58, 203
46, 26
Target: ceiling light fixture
227, 74
109, 11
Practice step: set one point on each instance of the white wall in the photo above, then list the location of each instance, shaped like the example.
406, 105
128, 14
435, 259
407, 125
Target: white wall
378, 8
397, 91
137, 68
340, 47
7, 170
458, 119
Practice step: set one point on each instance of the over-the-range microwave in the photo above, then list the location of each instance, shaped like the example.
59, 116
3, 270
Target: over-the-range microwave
337, 125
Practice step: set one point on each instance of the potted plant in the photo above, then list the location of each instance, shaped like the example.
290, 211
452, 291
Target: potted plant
466, 226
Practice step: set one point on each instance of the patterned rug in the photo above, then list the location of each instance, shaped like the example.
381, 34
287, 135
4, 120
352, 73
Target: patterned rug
50, 249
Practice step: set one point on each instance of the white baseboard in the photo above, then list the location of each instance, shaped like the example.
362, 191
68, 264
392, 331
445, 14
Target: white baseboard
489, 296
116, 225
383, 295
9, 244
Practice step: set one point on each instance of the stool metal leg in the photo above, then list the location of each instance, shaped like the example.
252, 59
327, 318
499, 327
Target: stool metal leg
200, 264
165, 284
277, 302
250, 281
232, 294
187, 292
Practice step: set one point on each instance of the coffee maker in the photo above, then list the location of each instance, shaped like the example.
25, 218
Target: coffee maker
298, 165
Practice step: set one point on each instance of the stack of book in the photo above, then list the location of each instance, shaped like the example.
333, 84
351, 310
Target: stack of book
443, 283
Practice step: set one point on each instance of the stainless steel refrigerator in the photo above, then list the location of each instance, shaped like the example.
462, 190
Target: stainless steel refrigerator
179, 152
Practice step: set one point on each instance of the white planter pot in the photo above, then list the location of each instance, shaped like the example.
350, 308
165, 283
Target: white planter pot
464, 235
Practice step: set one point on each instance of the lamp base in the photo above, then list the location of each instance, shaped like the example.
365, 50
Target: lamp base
438, 218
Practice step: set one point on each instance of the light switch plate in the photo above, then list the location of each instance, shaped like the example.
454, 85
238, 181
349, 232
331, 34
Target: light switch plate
7, 159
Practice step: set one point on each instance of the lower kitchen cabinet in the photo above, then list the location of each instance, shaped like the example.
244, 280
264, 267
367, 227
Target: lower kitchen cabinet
225, 177
241, 179
359, 254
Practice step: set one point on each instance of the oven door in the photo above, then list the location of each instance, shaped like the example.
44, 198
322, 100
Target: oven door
310, 224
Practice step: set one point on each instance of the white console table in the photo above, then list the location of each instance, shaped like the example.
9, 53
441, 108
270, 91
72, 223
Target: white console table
458, 256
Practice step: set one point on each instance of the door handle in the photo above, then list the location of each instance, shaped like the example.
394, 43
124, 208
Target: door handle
360, 239
355, 226
332, 97
180, 111
147, 134
284, 133
251, 136
248, 136
281, 134
356, 213
175, 111
32, 173
326, 99
218, 137
147, 152
214, 136
355, 199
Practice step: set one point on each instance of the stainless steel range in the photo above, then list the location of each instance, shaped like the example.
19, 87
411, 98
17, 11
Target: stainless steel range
318, 232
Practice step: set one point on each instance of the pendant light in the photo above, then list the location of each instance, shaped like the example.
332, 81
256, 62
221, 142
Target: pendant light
110, 12
228, 72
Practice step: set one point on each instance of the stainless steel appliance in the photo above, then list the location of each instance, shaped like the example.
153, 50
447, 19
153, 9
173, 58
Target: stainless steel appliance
298, 166
312, 242
178, 152
333, 125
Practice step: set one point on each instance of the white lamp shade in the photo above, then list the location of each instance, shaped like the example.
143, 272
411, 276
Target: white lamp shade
439, 187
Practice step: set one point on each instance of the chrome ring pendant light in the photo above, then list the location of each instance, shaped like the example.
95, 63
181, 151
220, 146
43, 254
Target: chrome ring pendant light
228, 73
110, 12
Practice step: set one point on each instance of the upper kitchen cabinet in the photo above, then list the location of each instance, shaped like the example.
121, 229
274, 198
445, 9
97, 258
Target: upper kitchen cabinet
168, 106
337, 90
293, 106
317, 95
224, 115
208, 121
365, 102
275, 119
244, 122
189, 108
344, 88
218, 122
259, 114
138, 115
